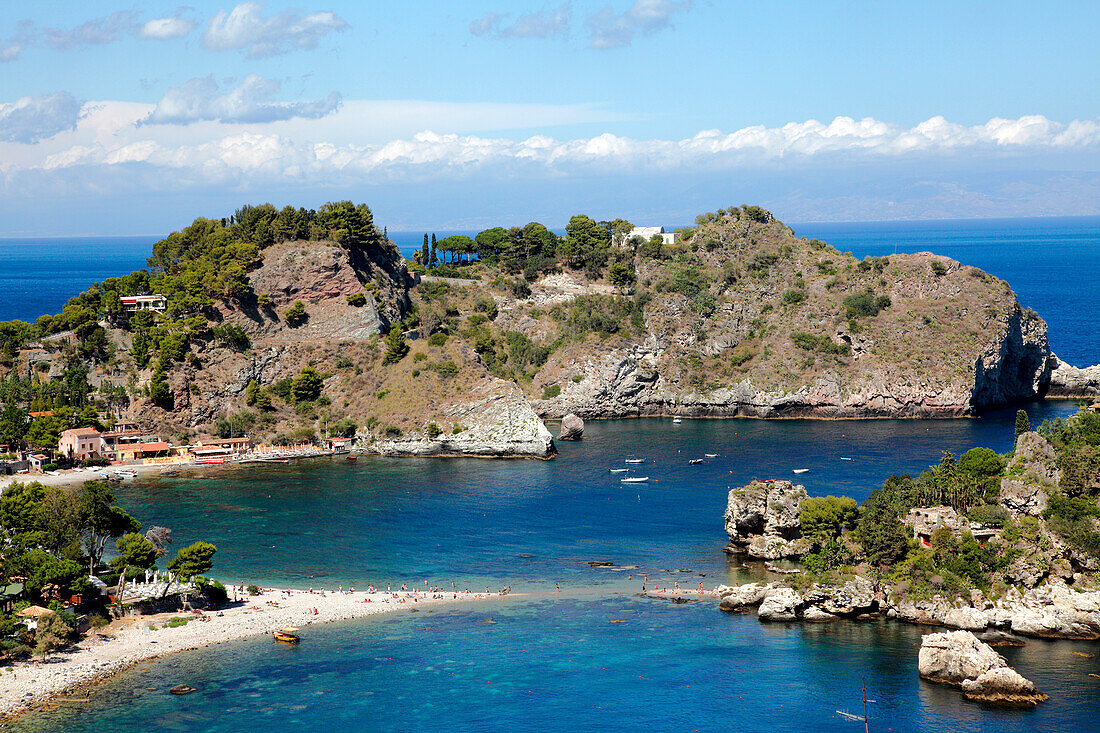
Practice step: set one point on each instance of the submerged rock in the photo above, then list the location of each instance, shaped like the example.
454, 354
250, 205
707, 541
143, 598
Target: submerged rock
572, 428
958, 658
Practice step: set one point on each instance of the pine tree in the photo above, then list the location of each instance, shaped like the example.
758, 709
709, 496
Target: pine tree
396, 348
1023, 423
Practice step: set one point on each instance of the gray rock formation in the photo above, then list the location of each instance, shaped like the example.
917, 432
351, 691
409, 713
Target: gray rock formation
572, 428
1025, 491
497, 421
1015, 366
1070, 381
959, 658
762, 519
779, 604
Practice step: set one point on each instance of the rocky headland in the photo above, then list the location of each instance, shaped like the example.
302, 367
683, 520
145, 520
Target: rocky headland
960, 659
1020, 557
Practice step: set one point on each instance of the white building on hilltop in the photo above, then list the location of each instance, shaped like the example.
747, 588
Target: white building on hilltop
647, 233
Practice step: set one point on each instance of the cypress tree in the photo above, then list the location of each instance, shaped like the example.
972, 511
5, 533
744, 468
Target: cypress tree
435, 258
1023, 424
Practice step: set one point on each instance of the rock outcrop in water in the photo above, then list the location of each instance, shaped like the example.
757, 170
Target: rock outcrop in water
1070, 381
958, 658
762, 519
572, 428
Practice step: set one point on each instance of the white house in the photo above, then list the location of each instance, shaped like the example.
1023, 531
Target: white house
647, 233
155, 302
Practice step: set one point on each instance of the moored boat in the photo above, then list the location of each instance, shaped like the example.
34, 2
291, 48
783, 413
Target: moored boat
618, 470
695, 461
635, 460
287, 636
635, 479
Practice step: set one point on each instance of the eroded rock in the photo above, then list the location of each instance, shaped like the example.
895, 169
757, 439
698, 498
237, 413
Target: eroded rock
762, 519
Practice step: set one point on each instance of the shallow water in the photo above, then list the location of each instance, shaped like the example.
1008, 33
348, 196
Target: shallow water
553, 660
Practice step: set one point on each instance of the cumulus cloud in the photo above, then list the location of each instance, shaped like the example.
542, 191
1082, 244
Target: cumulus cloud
259, 155
608, 29
31, 119
547, 22
201, 99
164, 29
244, 27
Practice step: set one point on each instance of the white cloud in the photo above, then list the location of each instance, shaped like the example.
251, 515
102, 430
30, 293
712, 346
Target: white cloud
164, 29
107, 29
608, 29
31, 119
549, 21
10, 52
244, 27
200, 99
254, 151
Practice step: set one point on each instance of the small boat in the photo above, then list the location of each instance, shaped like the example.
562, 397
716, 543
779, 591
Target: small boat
287, 636
711, 455
676, 421
845, 459
635, 460
635, 479
695, 461
349, 457
618, 470
801, 470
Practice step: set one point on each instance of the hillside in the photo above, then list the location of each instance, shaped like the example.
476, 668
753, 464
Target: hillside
288, 325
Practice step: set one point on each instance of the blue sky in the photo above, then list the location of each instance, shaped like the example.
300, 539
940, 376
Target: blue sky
136, 118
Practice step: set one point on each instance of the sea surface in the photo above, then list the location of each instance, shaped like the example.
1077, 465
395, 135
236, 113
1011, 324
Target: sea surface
551, 658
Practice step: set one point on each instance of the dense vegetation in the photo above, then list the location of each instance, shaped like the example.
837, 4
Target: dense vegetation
841, 536
55, 537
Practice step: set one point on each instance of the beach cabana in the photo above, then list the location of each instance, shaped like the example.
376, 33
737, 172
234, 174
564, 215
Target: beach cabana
32, 614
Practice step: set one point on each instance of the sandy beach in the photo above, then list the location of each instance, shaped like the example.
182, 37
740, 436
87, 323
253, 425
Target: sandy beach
128, 641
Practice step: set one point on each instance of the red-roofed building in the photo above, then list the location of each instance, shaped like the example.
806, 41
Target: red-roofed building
80, 444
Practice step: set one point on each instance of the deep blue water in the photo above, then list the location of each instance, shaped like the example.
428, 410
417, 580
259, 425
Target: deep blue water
1051, 264
553, 660
37, 276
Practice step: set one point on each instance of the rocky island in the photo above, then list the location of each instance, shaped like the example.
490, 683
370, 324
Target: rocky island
290, 325
982, 542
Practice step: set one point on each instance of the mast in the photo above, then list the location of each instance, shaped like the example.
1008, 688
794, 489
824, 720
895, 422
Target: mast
863, 683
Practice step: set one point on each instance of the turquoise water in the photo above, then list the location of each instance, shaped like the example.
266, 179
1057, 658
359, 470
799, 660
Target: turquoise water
553, 660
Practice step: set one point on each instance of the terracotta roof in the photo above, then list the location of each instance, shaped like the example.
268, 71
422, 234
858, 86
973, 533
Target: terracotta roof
34, 612
81, 431
154, 446
44, 413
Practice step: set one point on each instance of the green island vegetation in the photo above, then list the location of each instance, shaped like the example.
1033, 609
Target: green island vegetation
873, 539
56, 541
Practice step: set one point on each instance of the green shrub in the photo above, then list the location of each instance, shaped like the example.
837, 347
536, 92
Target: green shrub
357, 300
741, 354
231, 335
446, 369
551, 391
396, 348
821, 344
437, 339
794, 296
865, 305
296, 314
486, 305
938, 268
989, 515
823, 518
433, 431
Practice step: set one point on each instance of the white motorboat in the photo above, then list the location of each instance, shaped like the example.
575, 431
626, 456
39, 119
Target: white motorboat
635, 460
618, 470
635, 479
711, 455
801, 470
676, 421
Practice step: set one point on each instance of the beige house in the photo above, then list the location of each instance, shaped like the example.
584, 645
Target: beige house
647, 233
80, 444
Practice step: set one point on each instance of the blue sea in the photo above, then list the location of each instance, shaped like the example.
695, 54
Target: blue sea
550, 659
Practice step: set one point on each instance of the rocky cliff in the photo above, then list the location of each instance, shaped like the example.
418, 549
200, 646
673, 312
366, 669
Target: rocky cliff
747, 319
762, 519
